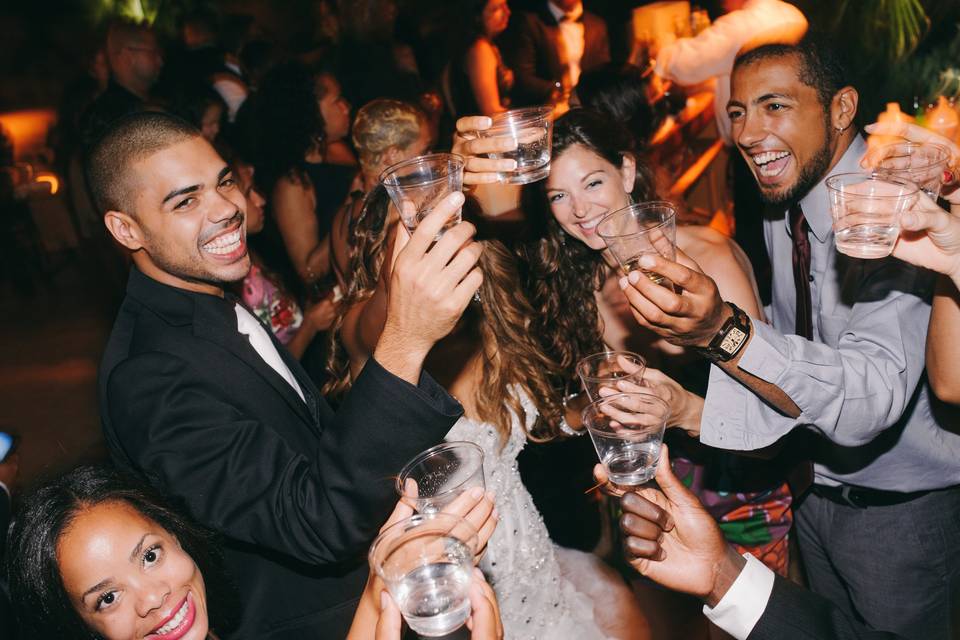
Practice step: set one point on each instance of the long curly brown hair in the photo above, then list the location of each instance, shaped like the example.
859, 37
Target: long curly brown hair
562, 274
511, 357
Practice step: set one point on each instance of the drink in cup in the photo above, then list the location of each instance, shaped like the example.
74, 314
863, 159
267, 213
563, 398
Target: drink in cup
434, 478
532, 130
638, 229
426, 562
866, 212
627, 431
921, 163
607, 368
417, 185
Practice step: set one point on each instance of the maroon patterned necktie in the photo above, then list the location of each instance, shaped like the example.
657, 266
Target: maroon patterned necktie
801, 271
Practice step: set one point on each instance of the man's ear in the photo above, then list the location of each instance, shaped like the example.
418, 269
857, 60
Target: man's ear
124, 229
628, 172
843, 108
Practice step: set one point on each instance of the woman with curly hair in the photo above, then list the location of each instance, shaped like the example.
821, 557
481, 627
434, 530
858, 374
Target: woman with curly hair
579, 310
494, 364
288, 134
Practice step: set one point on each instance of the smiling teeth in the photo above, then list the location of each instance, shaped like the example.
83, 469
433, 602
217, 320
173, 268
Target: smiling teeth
224, 244
763, 158
175, 622
591, 224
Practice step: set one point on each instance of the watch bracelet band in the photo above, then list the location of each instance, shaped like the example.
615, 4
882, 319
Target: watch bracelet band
739, 320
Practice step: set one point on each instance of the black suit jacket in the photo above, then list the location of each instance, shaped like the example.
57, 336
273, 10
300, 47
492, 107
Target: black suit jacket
794, 613
298, 491
531, 47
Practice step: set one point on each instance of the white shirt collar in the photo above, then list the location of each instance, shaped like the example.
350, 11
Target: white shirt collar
559, 13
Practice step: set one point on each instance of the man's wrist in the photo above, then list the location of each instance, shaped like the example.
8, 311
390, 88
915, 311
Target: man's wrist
400, 355
725, 313
725, 573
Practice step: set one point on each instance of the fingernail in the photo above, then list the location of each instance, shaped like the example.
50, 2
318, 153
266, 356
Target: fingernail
623, 282
490, 496
908, 220
457, 197
383, 600
495, 514
646, 260
476, 493
477, 573
513, 164
634, 276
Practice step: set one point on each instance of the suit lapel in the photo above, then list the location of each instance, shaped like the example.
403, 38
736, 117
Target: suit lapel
215, 320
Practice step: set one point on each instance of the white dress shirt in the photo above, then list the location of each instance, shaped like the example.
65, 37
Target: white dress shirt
572, 37
261, 342
743, 604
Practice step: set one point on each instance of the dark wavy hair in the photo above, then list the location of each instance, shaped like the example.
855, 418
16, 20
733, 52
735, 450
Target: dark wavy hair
43, 607
562, 274
286, 123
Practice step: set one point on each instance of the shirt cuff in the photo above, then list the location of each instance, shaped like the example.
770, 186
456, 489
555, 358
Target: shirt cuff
427, 389
744, 603
6, 489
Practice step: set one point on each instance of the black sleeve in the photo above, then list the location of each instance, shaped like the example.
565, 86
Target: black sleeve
520, 50
795, 613
240, 477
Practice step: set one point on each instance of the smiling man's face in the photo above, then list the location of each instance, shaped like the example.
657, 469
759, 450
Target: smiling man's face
781, 128
187, 226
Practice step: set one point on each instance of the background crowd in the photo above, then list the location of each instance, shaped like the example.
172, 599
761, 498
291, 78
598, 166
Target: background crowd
282, 345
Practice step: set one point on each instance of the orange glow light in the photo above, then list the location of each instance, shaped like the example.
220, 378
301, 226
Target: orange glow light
51, 179
28, 129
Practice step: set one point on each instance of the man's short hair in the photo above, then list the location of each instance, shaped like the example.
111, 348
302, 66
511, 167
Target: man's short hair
820, 65
126, 141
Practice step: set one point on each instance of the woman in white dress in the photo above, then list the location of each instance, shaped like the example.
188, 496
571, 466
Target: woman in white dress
493, 364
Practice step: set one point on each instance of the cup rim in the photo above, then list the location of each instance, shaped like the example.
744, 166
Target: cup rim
389, 533
499, 119
387, 173
648, 204
611, 352
429, 453
942, 149
583, 414
834, 181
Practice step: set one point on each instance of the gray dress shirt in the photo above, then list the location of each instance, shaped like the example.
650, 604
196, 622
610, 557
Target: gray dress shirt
860, 382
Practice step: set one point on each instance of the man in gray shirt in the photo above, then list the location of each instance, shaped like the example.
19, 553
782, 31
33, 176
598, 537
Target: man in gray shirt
843, 359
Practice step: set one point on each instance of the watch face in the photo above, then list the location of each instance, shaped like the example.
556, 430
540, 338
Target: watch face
732, 340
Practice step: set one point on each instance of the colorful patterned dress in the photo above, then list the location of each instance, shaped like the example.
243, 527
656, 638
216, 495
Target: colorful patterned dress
273, 306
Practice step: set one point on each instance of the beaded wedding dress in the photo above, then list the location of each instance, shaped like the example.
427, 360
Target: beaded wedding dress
532, 577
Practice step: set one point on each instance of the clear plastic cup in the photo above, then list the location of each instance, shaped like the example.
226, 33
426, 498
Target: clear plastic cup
417, 185
426, 562
866, 212
609, 367
440, 474
532, 129
638, 229
627, 431
921, 163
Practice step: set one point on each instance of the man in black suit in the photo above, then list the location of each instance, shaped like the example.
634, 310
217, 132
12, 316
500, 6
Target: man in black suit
671, 539
549, 48
200, 398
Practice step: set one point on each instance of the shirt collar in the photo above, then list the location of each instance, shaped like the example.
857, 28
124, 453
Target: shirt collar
558, 14
816, 204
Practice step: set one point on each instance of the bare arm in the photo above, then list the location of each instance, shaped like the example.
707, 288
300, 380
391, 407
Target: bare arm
481, 64
943, 342
294, 204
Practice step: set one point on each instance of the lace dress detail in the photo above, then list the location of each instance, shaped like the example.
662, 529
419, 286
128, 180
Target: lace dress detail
521, 562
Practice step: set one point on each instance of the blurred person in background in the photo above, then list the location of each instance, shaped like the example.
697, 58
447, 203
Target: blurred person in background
135, 60
202, 107
550, 47
479, 81
288, 133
